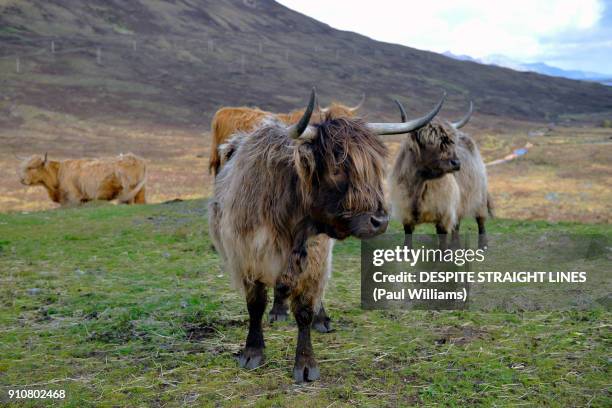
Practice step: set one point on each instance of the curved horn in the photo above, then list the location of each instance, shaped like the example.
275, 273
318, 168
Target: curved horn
301, 128
403, 115
463, 121
45, 160
360, 104
408, 126
21, 158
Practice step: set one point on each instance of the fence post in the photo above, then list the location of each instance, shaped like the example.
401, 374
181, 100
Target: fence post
211, 45
133, 45
260, 47
52, 47
99, 55
17, 67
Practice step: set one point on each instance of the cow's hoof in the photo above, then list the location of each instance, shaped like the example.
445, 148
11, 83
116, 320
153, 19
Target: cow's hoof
322, 324
278, 314
306, 369
483, 242
322, 327
251, 358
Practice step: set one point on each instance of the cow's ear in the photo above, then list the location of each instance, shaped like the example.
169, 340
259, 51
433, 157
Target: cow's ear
305, 163
227, 150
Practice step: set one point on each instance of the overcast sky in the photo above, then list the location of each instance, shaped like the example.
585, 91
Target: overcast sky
569, 34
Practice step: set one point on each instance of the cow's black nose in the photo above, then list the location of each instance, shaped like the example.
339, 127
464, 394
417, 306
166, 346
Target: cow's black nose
456, 164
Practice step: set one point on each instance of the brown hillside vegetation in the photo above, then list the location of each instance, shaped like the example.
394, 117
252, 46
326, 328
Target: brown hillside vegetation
192, 57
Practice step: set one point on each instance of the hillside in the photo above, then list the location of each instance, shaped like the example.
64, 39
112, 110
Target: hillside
178, 62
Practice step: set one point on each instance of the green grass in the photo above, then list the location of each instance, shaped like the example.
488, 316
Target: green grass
128, 306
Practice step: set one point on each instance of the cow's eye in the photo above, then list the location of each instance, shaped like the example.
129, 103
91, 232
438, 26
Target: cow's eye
337, 174
342, 187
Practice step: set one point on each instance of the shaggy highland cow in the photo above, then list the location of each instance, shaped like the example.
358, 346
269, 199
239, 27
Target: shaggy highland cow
439, 177
78, 181
238, 121
283, 195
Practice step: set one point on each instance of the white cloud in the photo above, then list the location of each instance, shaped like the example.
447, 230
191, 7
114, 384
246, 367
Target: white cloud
520, 29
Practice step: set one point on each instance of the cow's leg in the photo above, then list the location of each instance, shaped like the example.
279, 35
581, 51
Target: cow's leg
442, 232
69, 197
306, 367
482, 233
456, 238
140, 197
321, 321
252, 356
408, 230
279, 311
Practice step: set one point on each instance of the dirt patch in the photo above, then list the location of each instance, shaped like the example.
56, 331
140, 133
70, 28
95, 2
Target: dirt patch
204, 330
120, 333
460, 335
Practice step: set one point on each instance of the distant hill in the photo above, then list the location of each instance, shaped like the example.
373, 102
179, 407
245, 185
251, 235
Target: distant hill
572, 74
179, 61
539, 67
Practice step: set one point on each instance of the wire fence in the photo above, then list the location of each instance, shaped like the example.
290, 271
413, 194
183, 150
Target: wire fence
242, 52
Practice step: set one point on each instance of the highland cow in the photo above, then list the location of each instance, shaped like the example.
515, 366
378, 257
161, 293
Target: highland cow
283, 195
70, 182
231, 121
439, 177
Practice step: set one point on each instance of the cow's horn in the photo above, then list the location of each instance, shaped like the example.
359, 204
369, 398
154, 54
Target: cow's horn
403, 115
360, 104
301, 130
463, 121
45, 160
408, 126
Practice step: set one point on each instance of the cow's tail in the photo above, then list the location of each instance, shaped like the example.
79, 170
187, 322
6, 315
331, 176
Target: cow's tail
129, 196
490, 206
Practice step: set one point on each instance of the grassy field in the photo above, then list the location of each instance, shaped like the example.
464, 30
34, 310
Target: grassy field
128, 306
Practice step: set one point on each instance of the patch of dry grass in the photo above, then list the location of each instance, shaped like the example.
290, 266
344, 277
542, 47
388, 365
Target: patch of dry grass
567, 175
